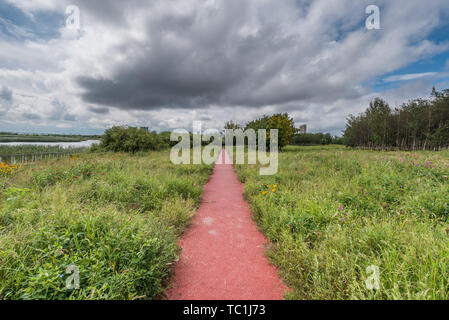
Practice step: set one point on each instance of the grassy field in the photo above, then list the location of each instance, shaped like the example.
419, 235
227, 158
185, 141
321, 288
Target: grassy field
333, 212
115, 217
31, 149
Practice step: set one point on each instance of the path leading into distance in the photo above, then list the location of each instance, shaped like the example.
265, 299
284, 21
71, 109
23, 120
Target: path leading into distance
223, 253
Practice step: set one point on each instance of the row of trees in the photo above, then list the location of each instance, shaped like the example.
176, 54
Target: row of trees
418, 124
130, 139
309, 139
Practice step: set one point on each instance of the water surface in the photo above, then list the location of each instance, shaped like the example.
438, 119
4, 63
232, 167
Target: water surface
65, 145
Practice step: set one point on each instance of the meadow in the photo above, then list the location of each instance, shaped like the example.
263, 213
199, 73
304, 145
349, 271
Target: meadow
116, 217
332, 212
33, 149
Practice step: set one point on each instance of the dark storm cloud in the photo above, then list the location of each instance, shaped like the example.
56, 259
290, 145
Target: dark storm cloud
6, 94
98, 110
233, 59
201, 58
31, 116
242, 54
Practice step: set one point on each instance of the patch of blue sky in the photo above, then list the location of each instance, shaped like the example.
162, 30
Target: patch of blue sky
435, 68
16, 25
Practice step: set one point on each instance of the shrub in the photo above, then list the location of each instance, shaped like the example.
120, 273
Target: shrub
130, 139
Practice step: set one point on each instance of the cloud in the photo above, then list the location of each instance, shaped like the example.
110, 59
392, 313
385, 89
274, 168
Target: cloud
164, 63
98, 110
15, 31
411, 76
60, 111
188, 58
31, 116
6, 94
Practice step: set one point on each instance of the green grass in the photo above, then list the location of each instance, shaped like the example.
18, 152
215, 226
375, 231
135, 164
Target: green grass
32, 149
337, 211
116, 217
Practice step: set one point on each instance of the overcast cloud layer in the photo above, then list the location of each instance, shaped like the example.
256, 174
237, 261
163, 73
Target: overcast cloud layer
166, 63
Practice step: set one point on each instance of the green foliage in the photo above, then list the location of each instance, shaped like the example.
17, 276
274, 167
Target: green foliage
282, 122
130, 139
230, 125
337, 211
116, 217
417, 125
32, 149
310, 139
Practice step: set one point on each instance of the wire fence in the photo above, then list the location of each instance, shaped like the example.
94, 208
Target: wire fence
34, 157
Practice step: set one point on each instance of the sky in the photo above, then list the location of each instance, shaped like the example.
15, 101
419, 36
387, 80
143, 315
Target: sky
166, 63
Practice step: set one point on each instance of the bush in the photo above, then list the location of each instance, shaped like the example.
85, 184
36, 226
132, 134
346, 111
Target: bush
130, 139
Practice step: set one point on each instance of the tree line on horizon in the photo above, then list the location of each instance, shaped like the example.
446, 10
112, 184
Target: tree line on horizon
288, 134
132, 139
421, 124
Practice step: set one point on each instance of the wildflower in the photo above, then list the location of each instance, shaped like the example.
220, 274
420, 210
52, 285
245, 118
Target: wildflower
345, 218
264, 192
268, 186
274, 190
340, 208
275, 186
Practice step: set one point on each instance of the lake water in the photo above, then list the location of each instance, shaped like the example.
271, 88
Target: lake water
65, 145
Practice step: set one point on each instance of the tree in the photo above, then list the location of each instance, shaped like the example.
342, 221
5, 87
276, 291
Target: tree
230, 125
417, 124
286, 127
281, 122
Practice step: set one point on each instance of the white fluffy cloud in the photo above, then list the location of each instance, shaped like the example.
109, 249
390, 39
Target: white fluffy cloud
165, 63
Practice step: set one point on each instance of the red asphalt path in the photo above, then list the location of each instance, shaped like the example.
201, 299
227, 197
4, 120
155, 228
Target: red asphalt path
223, 253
